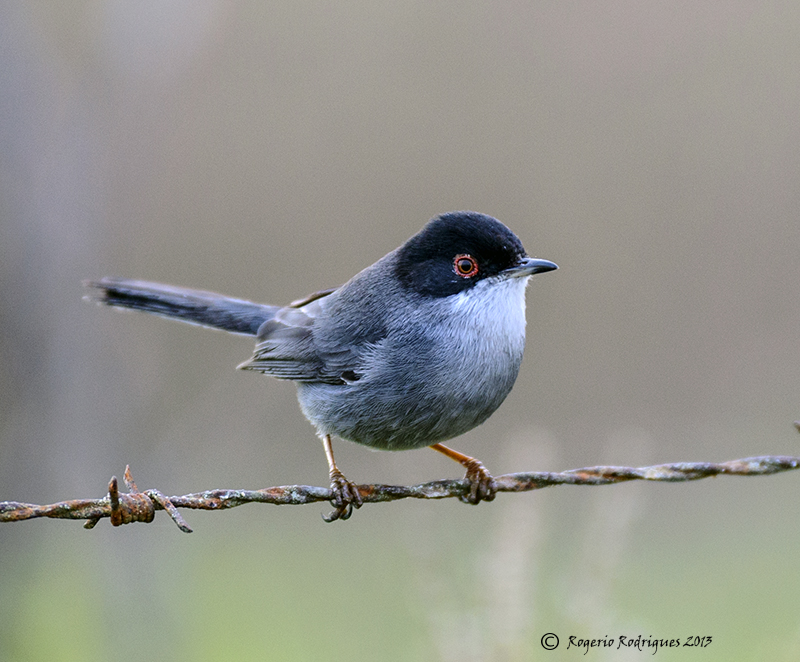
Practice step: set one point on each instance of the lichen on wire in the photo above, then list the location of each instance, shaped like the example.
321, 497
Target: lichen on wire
136, 506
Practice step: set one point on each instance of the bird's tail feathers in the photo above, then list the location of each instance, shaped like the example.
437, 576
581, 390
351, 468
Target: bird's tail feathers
192, 306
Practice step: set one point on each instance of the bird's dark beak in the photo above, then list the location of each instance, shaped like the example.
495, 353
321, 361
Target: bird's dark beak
528, 266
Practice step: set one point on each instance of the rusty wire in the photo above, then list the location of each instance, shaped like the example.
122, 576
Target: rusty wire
135, 506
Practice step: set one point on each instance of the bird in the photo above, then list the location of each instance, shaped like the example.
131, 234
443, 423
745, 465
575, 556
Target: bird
416, 349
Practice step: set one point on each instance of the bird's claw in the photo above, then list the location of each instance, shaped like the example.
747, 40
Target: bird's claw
344, 497
482, 485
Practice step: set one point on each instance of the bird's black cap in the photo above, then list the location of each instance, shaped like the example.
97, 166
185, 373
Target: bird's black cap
428, 262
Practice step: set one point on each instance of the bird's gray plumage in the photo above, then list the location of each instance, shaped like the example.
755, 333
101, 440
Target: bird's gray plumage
415, 374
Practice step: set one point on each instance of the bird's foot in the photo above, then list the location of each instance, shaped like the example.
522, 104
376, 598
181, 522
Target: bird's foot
482, 485
344, 497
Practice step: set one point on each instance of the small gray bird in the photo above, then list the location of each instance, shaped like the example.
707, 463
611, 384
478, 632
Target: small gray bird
418, 348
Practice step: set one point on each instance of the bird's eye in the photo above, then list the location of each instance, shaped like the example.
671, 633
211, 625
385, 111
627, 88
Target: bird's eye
465, 266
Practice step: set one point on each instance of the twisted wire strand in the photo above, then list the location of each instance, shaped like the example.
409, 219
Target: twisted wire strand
135, 506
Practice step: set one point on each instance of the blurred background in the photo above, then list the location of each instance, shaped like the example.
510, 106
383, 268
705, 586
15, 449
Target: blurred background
268, 150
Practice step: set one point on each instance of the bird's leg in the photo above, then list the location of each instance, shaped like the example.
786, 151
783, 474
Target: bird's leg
344, 494
482, 486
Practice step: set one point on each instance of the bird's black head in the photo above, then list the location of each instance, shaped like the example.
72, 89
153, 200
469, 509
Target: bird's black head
455, 251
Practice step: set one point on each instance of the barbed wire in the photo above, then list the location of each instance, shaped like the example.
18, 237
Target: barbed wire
136, 506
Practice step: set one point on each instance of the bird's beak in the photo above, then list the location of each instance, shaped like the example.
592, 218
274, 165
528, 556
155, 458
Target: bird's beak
528, 266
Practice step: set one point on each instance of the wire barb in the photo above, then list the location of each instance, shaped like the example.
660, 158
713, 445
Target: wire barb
135, 506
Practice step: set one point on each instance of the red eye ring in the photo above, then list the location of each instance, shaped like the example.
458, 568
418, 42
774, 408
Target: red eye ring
465, 266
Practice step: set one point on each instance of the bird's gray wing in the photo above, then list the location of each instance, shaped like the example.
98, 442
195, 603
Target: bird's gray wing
326, 337
285, 346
